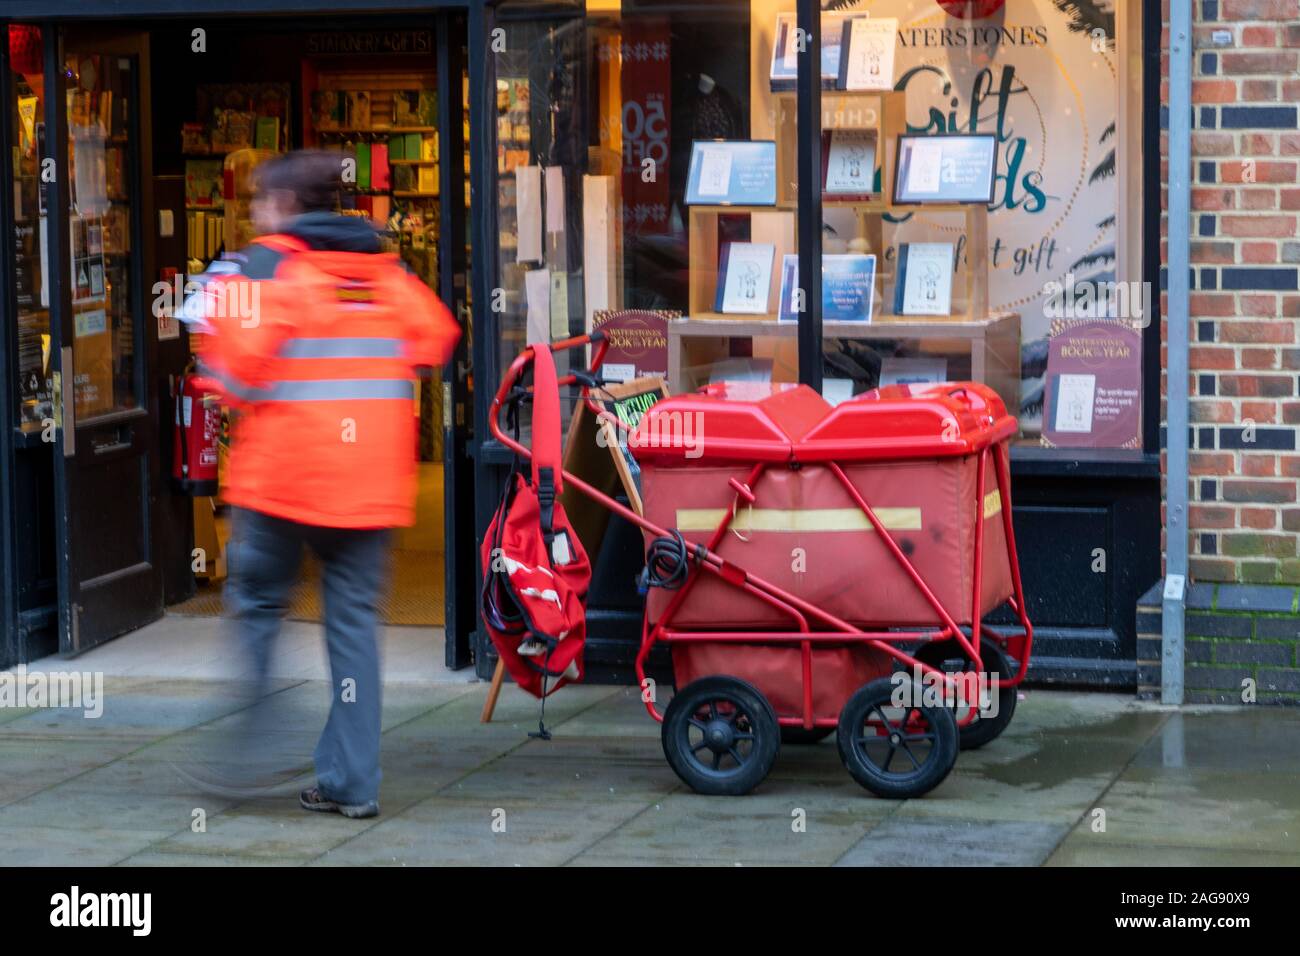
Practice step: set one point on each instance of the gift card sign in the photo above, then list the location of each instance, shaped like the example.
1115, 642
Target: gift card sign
732, 173
945, 169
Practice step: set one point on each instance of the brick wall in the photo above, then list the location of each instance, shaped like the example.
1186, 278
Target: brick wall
1242, 644
1245, 300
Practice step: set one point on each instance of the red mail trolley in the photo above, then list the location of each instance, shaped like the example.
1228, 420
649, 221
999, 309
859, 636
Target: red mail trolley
820, 570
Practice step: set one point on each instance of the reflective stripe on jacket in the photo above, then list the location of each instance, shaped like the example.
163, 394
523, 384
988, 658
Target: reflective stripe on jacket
319, 352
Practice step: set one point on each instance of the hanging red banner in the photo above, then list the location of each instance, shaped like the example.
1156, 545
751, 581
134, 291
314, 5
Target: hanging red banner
646, 87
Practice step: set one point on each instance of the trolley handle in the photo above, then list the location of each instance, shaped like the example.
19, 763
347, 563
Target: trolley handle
587, 378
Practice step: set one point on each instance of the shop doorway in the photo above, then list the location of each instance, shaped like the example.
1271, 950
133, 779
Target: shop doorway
160, 131
391, 96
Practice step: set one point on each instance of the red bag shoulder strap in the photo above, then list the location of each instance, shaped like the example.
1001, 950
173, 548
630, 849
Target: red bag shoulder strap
546, 419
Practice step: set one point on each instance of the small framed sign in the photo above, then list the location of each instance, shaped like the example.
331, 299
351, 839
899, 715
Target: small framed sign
948, 168
732, 173
627, 402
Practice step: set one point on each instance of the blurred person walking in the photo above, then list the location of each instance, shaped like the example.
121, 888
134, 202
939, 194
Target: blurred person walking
315, 337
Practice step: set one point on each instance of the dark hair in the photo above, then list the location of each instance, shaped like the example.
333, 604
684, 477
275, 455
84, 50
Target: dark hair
313, 176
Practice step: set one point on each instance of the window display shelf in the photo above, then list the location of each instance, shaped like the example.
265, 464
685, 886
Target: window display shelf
776, 225
881, 111
728, 209
882, 327
991, 344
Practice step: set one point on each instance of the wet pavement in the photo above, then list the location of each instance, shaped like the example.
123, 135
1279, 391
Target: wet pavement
1078, 779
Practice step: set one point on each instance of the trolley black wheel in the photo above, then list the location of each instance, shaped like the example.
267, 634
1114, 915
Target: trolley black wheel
720, 735
801, 736
949, 657
896, 750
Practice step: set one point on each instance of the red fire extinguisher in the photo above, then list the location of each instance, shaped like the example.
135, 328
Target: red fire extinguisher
196, 430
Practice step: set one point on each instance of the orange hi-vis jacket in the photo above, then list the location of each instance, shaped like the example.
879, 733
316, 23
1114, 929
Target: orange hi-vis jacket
317, 345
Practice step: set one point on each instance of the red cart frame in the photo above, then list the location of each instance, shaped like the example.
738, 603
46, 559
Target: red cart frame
832, 630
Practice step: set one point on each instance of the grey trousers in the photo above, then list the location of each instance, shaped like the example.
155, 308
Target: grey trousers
264, 557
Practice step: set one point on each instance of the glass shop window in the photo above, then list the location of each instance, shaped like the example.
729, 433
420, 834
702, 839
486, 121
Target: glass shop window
980, 195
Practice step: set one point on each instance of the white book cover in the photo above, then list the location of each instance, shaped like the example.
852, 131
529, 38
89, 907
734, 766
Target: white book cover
870, 63
747, 278
851, 162
927, 279
715, 170
1074, 400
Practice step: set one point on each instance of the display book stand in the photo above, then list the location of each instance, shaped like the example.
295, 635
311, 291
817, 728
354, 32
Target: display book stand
991, 341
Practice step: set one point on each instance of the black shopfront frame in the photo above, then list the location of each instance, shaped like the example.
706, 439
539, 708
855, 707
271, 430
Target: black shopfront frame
1067, 504
33, 563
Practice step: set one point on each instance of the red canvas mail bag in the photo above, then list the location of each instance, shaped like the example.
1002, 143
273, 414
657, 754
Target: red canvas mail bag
535, 571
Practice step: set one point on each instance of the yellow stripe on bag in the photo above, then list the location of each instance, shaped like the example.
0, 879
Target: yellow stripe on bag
798, 519
992, 504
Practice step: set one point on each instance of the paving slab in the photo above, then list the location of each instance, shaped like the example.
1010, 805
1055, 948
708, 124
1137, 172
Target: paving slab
454, 832
1180, 787
144, 708
973, 796
204, 648
1235, 811
1250, 739
155, 858
908, 841
74, 806
581, 771
515, 717
304, 705
761, 828
619, 715
32, 764
273, 829
1080, 849
59, 846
